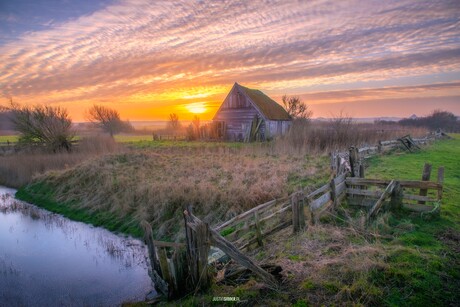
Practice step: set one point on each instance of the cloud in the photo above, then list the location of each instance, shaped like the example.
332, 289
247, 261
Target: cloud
137, 48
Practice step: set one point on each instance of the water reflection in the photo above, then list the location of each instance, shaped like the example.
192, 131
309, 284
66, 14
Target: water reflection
48, 260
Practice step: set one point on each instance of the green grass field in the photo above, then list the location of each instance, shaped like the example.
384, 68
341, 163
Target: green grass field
425, 268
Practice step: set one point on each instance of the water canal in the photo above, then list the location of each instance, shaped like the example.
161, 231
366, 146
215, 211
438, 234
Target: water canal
48, 260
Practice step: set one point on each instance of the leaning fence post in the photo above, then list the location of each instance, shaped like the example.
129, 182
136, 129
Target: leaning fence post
425, 177
198, 242
156, 275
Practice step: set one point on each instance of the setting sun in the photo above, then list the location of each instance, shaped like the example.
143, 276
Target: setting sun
196, 107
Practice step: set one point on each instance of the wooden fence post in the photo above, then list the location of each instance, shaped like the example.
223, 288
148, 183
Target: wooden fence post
298, 215
396, 197
425, 177
440, 181
361, 171
354, 161
338, 165
157, 275
258, 231
332, 157
198, 243
333, 194
309, 212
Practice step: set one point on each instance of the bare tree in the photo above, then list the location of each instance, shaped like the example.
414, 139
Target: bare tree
106, 118
296, 108
46, 125
193, 130
174, 123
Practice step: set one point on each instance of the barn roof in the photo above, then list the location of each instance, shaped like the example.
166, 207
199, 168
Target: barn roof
269, 108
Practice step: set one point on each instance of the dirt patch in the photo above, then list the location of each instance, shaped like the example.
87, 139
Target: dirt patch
451, 238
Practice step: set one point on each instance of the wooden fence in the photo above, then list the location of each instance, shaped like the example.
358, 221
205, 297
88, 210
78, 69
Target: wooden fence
180, 268
418, 196
354, 157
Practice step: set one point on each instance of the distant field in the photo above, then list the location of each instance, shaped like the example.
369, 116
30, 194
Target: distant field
9, 138
132, 138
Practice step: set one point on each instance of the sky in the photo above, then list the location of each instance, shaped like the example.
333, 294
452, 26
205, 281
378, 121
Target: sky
151, 58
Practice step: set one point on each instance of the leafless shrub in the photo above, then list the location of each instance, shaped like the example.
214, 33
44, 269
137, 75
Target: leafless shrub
108, 120
43, 125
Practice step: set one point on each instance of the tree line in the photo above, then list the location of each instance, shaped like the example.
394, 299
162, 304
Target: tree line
438, 119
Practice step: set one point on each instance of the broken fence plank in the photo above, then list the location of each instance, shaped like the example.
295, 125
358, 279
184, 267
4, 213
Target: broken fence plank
339, 179
248, 213
236, 234
341, 188
220, 242
279, 227
320, 190
375, 209
318, 203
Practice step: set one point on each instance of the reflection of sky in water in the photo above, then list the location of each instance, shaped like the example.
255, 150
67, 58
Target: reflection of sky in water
46, 259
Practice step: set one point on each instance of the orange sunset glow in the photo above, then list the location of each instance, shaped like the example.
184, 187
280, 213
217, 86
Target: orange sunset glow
149, 59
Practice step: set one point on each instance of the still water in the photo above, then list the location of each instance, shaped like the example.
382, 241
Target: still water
48, 260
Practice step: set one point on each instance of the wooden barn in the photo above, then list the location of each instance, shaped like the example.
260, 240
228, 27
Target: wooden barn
248, 115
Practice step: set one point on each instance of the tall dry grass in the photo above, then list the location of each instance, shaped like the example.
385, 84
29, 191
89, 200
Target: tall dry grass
309, 137
152, 186
19, 168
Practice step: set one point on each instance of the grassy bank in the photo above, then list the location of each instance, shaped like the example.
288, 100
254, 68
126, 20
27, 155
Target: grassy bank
155, 185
